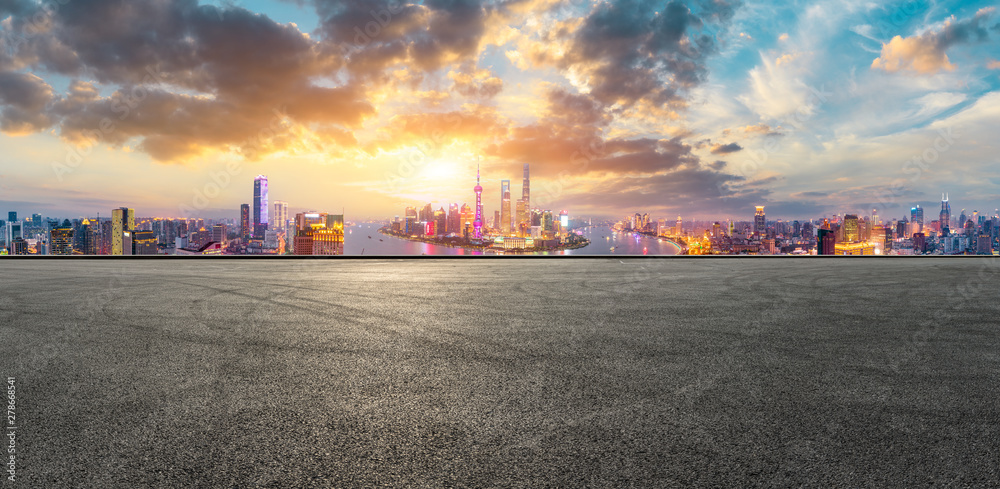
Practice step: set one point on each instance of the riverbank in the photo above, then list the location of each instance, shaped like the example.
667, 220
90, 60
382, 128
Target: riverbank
487, 247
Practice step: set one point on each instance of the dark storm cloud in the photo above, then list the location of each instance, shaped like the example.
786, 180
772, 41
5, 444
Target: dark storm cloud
25, 98
975, 29
189, 77
721, 149
377, 34
635, 50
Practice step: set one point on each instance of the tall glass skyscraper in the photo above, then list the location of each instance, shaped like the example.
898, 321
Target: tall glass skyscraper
944, 219
504, 225
259, 207
917, 219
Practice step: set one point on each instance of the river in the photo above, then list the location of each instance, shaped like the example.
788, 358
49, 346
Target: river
602, 238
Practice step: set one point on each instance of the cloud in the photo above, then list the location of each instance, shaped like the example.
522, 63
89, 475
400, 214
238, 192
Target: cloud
25, 97
721, 149
477, 83
189, 79
634, 50
926, 53
993, 65
760, 128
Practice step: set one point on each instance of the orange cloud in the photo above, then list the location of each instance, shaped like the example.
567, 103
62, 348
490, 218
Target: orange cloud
919, 54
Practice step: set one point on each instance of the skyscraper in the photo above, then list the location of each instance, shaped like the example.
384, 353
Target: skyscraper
259, 207
219, 233
454, 219
280, 216
825, 242
61, 239
504, 225
478, 223
917, 219
526, 191
245, 223
122, 225
851, 229
945, 217
143, 243
521, 219
759, 222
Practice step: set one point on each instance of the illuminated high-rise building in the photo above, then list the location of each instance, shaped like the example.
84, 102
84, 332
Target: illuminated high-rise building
306, 223
468, 217
143, 243
279, 216
14, 231
454, 220
826, 242
245, 223
505, 223
917, 219
851, 229
478, 223
122, 226
410, 220
61, 239
259, 207
944, 219
759, 222
526, 189
440, 221
91, 243
219, 233
521, 219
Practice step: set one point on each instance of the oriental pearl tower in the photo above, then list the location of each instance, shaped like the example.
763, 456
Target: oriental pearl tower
478, 223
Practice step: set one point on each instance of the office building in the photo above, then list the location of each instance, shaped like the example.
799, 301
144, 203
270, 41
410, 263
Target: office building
825, 242
759, 222
244, 223
917, 219
259, 223
122, 225
851, 228
144, 242
504, 226
61, 240
279, 216
219, 233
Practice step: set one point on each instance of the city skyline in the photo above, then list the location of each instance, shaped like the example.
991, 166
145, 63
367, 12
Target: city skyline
701, 108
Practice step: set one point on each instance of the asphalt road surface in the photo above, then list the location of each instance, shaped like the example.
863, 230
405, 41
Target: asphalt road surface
503, 373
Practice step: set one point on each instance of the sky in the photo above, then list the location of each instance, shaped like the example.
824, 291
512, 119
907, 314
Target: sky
702, 109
